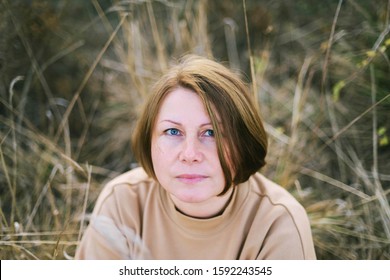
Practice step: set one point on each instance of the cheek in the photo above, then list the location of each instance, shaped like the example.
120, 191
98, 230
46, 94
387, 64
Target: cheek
157, 159
161, 147
157, 153
163, 152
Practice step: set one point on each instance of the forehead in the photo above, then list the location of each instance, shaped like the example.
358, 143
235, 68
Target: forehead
184, 104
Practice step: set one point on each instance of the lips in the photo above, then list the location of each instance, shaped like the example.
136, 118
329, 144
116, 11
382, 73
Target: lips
191, 178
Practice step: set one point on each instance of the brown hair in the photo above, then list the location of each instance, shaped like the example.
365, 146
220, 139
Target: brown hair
239, 134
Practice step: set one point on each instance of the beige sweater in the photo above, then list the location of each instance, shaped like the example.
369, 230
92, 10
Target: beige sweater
134, 218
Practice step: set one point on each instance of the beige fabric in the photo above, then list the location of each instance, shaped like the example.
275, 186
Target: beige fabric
134, 218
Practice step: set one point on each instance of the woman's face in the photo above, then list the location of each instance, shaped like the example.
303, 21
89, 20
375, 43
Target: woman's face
184, 151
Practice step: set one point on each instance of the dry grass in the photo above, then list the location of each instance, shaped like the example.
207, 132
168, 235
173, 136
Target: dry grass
70, 92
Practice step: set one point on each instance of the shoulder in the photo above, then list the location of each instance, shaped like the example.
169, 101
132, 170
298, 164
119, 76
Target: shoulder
134, 185
285, 217
277, 201
132, 177
274, 193
116, 221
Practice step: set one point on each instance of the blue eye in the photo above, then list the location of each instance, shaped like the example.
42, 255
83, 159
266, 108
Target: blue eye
172, 132
209, 133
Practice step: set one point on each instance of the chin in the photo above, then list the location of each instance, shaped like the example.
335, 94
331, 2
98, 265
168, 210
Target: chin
190, 198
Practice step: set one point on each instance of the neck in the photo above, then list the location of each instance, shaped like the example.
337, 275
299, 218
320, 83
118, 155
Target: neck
206, 209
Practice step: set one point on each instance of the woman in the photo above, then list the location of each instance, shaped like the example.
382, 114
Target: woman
198, 194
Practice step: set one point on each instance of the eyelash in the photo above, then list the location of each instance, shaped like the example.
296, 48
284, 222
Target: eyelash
178, 133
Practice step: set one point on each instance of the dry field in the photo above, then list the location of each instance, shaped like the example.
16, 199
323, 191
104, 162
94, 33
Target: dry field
73, 75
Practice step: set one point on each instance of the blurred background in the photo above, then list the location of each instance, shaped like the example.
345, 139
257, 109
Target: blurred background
74, 74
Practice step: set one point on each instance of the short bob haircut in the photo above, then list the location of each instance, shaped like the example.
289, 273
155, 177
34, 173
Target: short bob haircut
237, 125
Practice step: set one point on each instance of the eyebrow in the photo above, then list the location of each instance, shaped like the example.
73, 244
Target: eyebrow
177, 123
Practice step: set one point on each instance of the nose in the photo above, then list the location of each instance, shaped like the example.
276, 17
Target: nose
190, 151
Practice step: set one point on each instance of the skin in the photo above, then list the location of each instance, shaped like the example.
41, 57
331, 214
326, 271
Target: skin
184, 155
